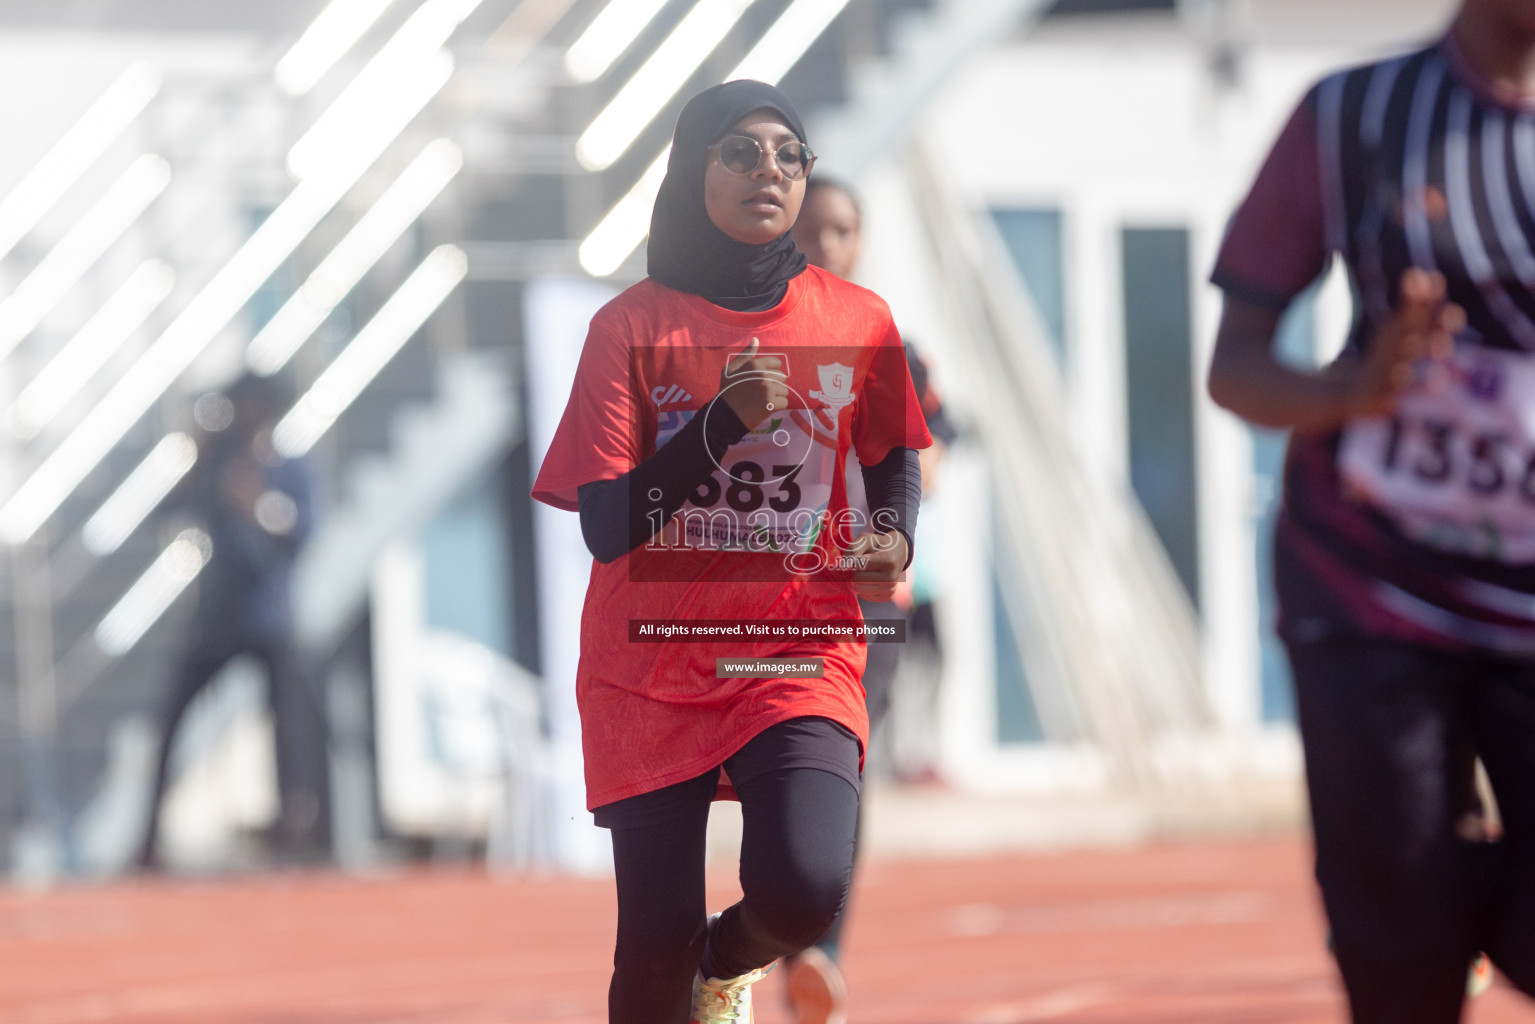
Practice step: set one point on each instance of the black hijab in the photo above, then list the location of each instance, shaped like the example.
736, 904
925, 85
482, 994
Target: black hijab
686, 251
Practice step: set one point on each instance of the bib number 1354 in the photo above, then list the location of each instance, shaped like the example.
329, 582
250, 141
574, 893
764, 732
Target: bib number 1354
1436, 454
1467, 488
1454, 465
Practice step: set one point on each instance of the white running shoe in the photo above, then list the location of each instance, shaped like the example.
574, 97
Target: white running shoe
725, 1000
1479, 979
816, 990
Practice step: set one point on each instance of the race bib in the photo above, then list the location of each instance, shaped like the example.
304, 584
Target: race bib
771, 491
1454, 467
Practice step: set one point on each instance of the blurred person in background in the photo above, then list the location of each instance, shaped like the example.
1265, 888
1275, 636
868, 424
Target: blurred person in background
1405, 552
256, 507
708, 362
829, 232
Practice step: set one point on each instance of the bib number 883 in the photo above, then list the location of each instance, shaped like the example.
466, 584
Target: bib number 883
746, 491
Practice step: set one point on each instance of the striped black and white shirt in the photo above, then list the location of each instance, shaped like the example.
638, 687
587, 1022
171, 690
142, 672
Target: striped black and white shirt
1419, 526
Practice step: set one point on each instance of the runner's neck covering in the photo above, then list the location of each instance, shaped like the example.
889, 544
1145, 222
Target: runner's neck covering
686, 251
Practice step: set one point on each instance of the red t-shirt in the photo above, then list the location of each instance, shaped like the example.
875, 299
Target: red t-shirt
653, 714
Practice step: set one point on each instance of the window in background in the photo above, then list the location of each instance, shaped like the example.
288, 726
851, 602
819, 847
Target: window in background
1017, 715
1033, 238
1159, 390
464, 551
1295, 344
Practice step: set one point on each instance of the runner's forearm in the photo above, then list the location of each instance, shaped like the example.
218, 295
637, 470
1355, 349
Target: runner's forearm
1279, 396
613, 525
1247, 378
893, 488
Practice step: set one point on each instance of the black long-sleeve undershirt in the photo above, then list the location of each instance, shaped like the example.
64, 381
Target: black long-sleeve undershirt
613, 525
894, 486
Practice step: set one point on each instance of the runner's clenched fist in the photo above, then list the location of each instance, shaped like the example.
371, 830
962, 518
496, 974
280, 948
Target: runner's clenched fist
886, 553
754, 386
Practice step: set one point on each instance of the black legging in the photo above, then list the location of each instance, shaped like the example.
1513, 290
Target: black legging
796, 861
1390, 733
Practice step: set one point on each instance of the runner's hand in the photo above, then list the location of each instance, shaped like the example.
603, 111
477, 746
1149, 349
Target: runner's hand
1423, 326
887, 555
754, 386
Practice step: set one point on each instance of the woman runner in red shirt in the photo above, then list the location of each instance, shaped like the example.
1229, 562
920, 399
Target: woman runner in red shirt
712, 410
1405, 552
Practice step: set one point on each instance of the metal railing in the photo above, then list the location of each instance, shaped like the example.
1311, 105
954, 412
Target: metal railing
1108, 635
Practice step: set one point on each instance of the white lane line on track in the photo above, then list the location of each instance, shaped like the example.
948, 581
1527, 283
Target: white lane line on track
1046, 1007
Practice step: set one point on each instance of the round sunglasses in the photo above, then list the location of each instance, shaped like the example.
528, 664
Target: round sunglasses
742, 154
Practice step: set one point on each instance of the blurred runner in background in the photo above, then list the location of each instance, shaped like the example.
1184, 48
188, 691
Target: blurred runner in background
1405, 554
703, 444
829, 232
257, 510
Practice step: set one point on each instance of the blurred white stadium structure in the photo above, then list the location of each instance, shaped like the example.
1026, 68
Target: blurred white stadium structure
413, 206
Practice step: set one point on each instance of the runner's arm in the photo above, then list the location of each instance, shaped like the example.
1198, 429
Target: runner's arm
613, 525
893, 489
1275, 246
1247, 377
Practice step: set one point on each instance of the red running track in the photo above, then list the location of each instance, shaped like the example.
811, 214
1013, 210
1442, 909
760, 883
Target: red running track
1190, 933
